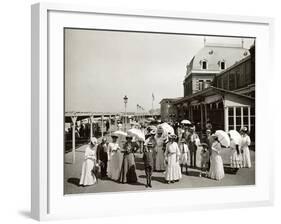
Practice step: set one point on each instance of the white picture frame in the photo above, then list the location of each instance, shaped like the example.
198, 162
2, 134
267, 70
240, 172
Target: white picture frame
47, 201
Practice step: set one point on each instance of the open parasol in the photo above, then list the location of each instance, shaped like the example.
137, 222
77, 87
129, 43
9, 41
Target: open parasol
137, 133
185, 122
120, 133
167, 128
235, 135
223, 138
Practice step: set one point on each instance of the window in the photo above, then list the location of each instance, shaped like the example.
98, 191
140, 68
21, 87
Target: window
200, 84
204, 65
222, 64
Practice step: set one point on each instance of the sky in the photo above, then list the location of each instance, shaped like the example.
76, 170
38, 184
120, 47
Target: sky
101, 67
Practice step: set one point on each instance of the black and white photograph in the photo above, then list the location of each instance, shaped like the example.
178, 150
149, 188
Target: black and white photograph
147, 111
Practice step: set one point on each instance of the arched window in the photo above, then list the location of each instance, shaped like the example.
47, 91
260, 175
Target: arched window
204, 65
222, 64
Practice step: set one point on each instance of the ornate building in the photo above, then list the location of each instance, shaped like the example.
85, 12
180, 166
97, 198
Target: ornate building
219, 87
211, 60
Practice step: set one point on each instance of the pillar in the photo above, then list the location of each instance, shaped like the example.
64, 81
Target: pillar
234, 118
102, 125
73, 118
109, 124
206, 112
226, 119
115, 121
202, 117
242, 122
91, 126
249, 119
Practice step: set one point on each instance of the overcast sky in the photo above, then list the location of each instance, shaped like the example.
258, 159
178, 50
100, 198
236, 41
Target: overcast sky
101, 67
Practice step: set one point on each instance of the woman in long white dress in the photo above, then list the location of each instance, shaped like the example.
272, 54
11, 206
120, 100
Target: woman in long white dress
235, 156
115, 159
160, 157
216, 168
172, 155
185, 155
87, 177
245, 143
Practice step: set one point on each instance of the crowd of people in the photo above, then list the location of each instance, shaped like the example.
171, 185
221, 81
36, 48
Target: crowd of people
171, 153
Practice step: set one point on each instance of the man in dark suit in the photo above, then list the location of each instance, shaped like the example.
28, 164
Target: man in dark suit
102, 156
191, 141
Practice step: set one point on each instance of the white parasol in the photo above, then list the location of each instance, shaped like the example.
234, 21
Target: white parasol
185, 122
223, 138
137, 133
167, 128
235, 135
120, 133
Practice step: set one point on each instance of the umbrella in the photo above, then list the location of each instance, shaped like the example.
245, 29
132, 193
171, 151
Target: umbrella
167, 128
235, 136
152, 127
137, 133
223, 138
185, 122
151, 119
120, 133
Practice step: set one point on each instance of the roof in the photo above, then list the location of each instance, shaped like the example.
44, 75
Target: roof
210, 91
170, 99
213, 54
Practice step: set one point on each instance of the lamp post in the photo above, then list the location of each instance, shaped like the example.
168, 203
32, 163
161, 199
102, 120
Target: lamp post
125, 103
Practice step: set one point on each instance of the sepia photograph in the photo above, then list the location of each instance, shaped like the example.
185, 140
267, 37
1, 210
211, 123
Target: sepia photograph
147, 111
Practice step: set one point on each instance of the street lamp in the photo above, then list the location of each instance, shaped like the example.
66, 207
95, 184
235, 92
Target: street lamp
125, 103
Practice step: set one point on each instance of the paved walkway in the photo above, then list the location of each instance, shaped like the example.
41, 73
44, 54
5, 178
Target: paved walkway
72, 172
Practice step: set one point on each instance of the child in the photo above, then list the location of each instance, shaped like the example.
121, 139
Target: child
148, 162
204, 159
185, 155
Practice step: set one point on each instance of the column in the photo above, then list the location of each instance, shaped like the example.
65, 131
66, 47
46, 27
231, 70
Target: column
234, 118
91, 126
242, 122
249, 119
109, 124
102, 125
202, 117
206, 113
226, 119
73, 118
115, 122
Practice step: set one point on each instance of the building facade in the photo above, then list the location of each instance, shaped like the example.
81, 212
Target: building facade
211, 60
222, 94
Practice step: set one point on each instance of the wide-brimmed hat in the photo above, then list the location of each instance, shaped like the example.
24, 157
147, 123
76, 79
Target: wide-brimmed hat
208, 130
153, 132
172, 136
244, 129
114, 136
94, 140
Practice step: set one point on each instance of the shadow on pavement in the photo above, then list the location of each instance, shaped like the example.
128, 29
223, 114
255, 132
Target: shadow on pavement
74, 181
159, 179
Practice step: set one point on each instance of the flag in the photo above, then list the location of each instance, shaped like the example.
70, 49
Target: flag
153, 97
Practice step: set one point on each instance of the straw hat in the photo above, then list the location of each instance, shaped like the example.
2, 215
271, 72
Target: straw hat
94, 140
114, 136
244, 129
153, 132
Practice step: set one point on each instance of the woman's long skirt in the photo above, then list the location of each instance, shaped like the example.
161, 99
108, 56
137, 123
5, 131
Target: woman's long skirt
114, 166
216, 169
160, 160
173, 170
246, 157
128, 169
87, 178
